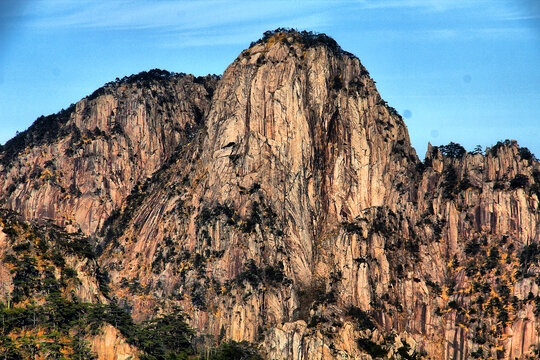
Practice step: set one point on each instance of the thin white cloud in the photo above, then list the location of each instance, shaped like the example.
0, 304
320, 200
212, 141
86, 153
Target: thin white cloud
494, 9
462, 34
432, 5
122, 14
181, 23
138, 14
522, 17
195, 23
235, 35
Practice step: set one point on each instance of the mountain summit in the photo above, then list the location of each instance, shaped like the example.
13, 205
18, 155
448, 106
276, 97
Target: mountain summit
280, 204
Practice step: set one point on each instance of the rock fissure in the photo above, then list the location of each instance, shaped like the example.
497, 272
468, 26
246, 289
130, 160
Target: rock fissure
282, 204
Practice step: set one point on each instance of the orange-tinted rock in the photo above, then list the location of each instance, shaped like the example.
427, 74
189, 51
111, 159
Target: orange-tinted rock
110, 345
299, 217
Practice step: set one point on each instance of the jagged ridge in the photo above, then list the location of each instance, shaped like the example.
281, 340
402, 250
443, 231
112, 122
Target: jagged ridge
309, 39
298, 216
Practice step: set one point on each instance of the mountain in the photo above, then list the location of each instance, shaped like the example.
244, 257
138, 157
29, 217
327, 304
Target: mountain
280, 204
81, 164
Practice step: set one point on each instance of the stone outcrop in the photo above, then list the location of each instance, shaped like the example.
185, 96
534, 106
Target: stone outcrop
110, 345
79, 165
290, 210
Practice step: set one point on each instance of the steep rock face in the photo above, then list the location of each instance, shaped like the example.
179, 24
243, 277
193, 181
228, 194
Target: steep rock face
301, 208
50, 290
37, 257
308, 130
448, 268
79, 165
302, 128
110, 345
302, 201
299, 218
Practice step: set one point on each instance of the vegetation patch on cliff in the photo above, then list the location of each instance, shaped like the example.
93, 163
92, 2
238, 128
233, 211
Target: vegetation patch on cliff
308, 39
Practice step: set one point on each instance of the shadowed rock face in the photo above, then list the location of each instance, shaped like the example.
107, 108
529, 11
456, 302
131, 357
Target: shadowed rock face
298, 216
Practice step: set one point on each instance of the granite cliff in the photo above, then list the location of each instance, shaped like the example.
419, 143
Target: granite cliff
79, 165
282, 204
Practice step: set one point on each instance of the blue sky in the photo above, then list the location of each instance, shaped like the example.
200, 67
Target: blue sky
458, 70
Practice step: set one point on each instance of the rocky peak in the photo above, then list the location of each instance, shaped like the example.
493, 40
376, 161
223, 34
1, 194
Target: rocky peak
313, 108
283, 204
307, 39
77, 166
297, 142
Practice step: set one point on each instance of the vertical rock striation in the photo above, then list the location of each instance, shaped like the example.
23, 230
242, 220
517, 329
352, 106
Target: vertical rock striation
302, 207
79, 165
284, 205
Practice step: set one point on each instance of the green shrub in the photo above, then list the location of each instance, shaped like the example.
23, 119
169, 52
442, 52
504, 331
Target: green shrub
477, 150
520, 181
454, 305
452, 150
363, 320
404, 350
526, 154
450, 182
315, 292
272, 274
44, 130
529, 255
316, 319
233, 350
308, 39
373, 349
499, 185
495, 148
472, 247
167, 337
492, 259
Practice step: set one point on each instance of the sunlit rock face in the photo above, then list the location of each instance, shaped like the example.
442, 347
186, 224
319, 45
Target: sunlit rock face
79, 165
284, 205
109, 345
